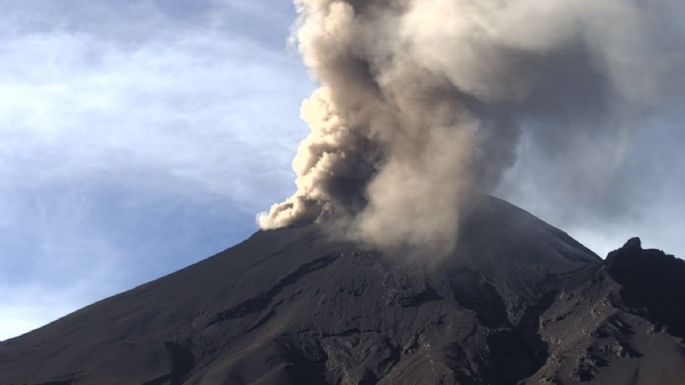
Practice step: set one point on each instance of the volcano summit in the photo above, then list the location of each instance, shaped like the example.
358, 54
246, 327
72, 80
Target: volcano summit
518, 301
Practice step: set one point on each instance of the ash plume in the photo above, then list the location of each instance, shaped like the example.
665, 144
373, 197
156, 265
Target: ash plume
423, 103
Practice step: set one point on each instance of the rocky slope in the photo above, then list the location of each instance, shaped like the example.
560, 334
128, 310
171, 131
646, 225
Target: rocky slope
518, 302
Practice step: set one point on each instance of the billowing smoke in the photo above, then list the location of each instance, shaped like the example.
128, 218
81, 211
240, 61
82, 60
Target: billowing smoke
423, 103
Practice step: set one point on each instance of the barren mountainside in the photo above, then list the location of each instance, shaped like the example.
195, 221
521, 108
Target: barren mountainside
519, 301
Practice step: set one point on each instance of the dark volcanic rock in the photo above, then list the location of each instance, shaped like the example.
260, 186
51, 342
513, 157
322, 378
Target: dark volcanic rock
605, 326
653, 281
519, 301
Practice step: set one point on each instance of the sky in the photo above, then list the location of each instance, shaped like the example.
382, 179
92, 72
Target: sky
140, 136
136, 137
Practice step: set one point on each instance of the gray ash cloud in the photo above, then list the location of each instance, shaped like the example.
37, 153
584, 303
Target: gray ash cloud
423, 104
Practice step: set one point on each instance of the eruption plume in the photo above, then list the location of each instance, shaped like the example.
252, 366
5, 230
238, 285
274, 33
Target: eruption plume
423, 103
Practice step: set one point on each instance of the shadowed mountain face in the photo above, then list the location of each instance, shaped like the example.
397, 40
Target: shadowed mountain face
518, 302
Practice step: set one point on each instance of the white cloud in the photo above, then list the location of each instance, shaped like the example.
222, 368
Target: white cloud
128, 135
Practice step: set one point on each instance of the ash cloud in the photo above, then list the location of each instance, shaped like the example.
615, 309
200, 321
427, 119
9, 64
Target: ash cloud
423, 104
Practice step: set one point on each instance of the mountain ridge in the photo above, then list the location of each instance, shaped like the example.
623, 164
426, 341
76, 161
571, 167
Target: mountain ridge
519, 301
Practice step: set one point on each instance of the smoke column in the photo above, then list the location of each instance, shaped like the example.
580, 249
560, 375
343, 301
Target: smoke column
423, 102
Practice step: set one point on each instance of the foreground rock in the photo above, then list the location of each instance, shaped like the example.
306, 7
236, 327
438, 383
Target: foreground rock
520, 301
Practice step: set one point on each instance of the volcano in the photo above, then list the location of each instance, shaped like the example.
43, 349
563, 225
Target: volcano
518, 302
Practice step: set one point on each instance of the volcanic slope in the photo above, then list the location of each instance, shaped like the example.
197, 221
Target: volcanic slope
518, 302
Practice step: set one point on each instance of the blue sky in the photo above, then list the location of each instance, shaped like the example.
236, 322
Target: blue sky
136, 137
139, 136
